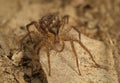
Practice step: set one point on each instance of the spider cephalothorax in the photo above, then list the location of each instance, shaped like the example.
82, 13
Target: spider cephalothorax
49, 28
50, 23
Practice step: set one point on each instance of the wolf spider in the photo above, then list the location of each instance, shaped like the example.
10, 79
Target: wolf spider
50, 30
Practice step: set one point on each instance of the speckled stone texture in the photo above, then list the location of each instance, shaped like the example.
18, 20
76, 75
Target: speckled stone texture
64, 70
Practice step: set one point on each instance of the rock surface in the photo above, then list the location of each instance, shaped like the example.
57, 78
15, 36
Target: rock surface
64, 70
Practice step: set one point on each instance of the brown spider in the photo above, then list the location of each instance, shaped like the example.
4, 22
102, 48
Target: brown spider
50, 31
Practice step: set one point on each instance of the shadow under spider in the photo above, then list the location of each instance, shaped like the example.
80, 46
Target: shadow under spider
50, 29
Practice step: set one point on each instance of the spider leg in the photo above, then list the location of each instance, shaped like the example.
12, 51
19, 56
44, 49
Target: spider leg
75, 53
28, 27
21, 40
37, 48
49, 65
64, 21
76, 29
66, 18
85, 48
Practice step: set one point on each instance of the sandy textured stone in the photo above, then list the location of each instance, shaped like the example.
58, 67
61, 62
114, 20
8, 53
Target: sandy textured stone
64, 68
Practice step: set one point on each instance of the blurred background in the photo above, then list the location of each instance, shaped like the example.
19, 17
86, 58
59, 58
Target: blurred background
95, 18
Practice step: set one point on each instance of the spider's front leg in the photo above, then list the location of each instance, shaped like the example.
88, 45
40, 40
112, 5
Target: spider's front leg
28, 27
36, 52
35, 58
64, 21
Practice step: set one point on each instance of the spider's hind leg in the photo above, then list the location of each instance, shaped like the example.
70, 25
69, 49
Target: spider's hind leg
75, 53
86, 49
83, 46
